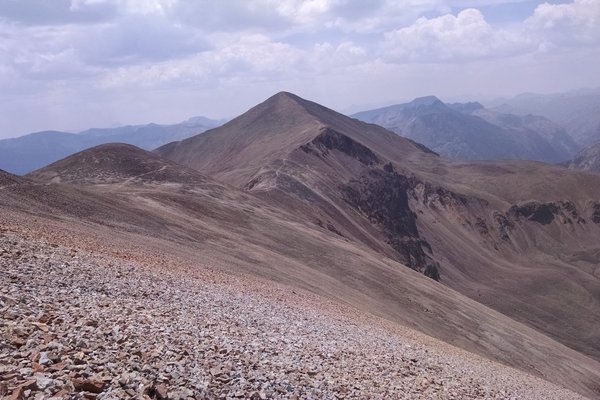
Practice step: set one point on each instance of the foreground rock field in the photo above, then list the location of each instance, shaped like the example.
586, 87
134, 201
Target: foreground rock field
81, 325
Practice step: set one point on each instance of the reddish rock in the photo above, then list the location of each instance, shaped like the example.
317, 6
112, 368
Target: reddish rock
88, 385
30, 384
17, 394
158, 392
17, 341
37, 367
161, 392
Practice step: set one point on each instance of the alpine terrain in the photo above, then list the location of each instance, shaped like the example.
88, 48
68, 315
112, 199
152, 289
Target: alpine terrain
295, 252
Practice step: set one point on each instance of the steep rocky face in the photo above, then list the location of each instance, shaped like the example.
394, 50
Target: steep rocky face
596, 213
330, 139
503, 225
545, 213
382, 195
377, 193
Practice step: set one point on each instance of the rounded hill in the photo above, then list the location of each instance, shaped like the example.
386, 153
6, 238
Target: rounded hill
114, 163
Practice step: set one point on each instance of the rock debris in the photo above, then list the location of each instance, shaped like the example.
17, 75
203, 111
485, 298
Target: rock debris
76, 325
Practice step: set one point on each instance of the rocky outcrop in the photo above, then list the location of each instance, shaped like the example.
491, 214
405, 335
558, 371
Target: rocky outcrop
542, 213
503, 225
545, 213
382, 196
330, 139
436, 197
596, 213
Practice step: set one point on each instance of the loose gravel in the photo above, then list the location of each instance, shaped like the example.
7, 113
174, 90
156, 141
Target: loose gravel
76, 325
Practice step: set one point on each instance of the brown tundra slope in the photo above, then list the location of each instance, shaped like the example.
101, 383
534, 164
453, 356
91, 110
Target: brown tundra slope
80, 323
201, 225
302, 195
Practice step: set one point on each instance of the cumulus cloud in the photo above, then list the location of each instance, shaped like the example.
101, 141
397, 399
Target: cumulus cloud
448, 38
137, 39
41, 53
567, 24
82, 51
252, 56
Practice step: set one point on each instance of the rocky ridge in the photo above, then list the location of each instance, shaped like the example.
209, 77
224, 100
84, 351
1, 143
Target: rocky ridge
81, 325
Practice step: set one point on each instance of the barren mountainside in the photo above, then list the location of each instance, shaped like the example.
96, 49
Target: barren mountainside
498, 232
492, 257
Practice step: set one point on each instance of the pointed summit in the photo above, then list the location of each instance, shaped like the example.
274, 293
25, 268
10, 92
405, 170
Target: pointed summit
271, 131
284, 96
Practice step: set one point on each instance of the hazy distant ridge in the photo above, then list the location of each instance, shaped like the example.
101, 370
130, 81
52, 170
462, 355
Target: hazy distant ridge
30, 152
468, 131
578, 111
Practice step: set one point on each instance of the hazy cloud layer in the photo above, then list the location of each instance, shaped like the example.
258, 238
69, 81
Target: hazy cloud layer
80, 63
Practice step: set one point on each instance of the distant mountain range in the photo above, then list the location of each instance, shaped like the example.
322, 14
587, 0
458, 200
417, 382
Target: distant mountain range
548, 128
577, 111
468, 131
27, 153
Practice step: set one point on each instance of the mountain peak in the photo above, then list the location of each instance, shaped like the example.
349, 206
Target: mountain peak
286, 100
270, 131
425, 101
284, 94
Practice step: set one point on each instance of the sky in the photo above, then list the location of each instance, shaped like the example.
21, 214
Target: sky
75, 64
